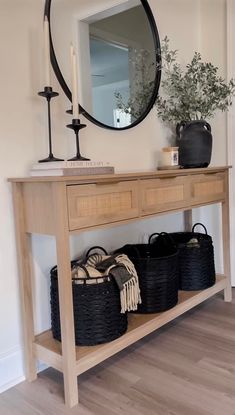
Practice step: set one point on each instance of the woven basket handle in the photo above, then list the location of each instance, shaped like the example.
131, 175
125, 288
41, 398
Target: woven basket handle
53, 270
73, 263
163, 235
151, 236
96, 247
199, 224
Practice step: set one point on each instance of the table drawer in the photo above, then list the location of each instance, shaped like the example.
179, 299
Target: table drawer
97, 204
208, 187
158, 195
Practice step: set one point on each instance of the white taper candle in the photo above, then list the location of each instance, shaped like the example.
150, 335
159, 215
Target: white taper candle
71, 54
47, 52
74, 82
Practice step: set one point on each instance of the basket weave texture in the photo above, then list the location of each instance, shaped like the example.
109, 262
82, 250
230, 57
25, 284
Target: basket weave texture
196, 260
97, 317
157, 267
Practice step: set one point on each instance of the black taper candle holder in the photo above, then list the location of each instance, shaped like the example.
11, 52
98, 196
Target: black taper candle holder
70, 111
76, 126
48, 93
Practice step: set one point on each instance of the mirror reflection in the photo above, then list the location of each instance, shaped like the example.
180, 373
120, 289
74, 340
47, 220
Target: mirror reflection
117, 55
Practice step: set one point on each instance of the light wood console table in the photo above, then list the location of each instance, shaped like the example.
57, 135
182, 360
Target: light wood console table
60, 206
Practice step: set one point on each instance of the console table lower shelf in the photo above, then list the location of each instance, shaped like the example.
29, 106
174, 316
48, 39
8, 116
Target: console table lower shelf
62, 206
49, 350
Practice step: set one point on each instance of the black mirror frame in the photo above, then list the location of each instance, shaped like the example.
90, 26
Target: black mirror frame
64, 86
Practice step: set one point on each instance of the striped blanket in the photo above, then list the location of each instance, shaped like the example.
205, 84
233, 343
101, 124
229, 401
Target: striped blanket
121, 269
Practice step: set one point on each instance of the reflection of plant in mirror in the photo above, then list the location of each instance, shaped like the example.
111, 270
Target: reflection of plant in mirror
142, 84
193, 93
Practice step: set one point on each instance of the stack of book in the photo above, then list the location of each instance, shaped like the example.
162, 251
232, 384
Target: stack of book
71, 168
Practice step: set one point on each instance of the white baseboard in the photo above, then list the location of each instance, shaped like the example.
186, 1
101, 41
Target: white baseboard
11, 384
12, 369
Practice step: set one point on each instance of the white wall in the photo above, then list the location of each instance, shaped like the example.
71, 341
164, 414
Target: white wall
21, 131
231, 124
213, 47
23, 140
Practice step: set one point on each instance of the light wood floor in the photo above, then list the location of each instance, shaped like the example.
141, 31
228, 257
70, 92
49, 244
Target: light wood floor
186, 368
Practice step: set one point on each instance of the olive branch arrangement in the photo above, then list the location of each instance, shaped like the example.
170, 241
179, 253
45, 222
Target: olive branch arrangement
141, 86
191, 93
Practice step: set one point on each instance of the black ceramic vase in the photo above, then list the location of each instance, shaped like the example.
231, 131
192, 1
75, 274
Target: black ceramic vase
194, 140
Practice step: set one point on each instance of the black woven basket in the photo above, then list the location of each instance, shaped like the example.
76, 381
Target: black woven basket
97, 316
157, 267
196, 259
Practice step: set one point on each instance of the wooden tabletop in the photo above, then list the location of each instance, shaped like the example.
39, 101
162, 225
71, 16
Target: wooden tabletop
154, 174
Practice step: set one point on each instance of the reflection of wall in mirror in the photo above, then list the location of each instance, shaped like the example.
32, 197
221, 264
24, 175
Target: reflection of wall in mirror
131, 24
65, 16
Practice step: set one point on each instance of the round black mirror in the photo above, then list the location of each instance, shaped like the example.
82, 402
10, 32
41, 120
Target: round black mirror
118, 50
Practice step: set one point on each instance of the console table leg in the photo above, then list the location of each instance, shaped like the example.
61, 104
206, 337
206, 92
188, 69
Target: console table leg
65, 295
23, 243
226, 244
188, 220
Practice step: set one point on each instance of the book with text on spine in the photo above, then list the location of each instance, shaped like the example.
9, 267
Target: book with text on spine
76, 171
70, 164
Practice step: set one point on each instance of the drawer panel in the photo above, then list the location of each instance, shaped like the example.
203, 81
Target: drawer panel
158, 195
97, 204
208, 187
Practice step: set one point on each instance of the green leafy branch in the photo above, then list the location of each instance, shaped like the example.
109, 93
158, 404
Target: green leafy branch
194, 93
141, 88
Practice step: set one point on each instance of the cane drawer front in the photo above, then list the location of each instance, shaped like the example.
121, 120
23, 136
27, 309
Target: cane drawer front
208, 187
158, 195
97, 204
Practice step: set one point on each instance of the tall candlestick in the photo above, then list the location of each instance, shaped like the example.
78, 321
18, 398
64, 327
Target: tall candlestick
74, 82
47, 52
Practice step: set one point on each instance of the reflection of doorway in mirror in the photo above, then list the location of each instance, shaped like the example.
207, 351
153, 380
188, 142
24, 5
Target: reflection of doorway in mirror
109, 72
109, 66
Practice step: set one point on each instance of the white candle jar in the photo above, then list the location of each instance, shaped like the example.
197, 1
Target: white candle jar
170, 157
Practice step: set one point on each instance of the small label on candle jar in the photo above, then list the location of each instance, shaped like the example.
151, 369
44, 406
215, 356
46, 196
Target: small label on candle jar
170, 156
